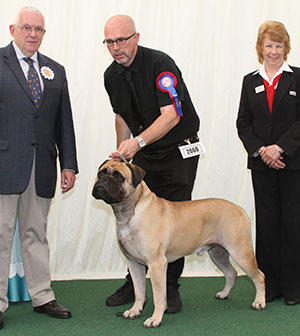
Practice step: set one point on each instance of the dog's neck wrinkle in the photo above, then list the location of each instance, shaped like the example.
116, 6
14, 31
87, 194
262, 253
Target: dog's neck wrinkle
122, 214
126, 209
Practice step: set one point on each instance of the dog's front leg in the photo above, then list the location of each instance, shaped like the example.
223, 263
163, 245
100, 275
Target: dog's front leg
138, 274
158, 275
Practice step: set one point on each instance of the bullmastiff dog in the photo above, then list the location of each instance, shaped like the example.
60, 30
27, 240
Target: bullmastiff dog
153, 232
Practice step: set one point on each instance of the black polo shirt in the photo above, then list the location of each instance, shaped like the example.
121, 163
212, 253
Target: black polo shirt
145, 69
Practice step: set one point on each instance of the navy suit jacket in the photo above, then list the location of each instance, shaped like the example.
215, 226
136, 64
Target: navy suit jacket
48, 131
257, 127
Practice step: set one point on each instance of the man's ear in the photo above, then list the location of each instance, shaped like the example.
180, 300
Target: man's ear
137, 174
12, 29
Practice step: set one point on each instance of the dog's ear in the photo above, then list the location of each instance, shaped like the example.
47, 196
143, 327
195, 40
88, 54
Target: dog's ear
103, 163
137, 174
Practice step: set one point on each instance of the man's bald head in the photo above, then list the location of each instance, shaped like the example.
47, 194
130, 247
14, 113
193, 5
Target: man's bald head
123, 22
121, 39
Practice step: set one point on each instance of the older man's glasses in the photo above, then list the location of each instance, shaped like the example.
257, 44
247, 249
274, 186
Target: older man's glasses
120, 42
27, 29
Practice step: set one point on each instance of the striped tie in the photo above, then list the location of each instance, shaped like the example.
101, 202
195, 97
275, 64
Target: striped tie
33, 82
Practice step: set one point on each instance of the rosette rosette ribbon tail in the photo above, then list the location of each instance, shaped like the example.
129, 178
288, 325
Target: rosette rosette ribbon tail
166, 82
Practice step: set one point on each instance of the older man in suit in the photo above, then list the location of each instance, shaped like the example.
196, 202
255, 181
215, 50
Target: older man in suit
36, 126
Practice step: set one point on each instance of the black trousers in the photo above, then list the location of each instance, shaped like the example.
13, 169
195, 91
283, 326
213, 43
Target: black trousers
277, 205
172, 178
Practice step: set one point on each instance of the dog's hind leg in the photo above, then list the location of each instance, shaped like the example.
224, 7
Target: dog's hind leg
220, 257
246, 260
138, 274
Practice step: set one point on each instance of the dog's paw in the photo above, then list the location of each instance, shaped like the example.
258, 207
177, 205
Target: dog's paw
222, 295
258, 305
152, 323
132, 314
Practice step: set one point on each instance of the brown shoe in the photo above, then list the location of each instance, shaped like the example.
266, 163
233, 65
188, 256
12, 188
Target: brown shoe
53, 309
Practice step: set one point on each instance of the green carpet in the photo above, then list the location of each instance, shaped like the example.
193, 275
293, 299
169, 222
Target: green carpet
201, 314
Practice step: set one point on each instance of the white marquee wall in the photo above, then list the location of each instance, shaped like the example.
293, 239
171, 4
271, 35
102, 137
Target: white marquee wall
213, 43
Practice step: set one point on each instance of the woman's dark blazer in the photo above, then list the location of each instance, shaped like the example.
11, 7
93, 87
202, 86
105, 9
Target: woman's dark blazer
257, 127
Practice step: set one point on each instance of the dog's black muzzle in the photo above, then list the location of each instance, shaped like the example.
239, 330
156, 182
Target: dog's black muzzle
107, 189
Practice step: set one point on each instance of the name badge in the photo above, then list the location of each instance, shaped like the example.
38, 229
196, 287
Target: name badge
191, 150
293, 93
259, 89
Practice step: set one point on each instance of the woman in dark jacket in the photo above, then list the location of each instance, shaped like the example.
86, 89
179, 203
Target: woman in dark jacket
269, 127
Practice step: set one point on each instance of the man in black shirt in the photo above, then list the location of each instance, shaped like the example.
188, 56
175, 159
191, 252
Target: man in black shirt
154, 116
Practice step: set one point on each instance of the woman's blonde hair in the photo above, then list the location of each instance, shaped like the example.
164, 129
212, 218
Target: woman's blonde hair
275, 31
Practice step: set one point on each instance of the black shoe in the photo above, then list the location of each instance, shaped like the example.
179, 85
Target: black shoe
292, 302
173, 300
123, 295
53, 309
1, 320
270, 297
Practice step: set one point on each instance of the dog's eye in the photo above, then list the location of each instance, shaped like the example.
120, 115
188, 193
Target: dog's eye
118, 176
102, 172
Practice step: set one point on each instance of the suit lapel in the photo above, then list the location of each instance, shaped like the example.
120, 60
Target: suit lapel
283, 85
262, 96
12, 62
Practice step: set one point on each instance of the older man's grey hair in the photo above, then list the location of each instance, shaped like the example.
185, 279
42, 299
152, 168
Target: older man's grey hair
29, 10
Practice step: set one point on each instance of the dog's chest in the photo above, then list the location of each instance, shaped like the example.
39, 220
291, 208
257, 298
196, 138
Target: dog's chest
131, 243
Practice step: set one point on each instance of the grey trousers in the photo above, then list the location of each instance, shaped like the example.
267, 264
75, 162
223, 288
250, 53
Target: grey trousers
31, 211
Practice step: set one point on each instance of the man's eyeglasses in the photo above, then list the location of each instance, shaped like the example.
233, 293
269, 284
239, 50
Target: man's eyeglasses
28, 29
121, 41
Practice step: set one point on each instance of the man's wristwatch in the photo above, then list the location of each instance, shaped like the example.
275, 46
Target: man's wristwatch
141, 141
